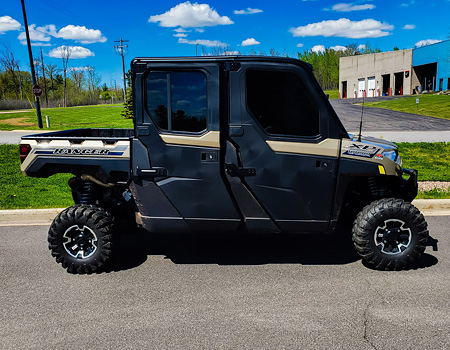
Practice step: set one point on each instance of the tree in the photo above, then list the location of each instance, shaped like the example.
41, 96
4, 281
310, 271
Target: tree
77, 76
273, 52
45, 80
127, 111
65, 53
51, 71
9, 64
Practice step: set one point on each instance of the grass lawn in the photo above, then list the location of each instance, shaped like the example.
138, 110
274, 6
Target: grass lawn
334, 94
101, 116
18, 191
432, 160
429, 104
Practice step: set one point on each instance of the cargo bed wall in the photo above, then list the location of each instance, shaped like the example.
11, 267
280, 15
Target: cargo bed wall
107, 157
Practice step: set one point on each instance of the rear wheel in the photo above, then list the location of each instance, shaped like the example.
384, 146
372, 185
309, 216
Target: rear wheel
81, 238
390, 234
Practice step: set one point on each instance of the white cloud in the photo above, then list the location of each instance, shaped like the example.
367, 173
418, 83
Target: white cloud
318, 48
8, 23
299, 45
78, 69
180, 35
81, 34
250, 42
361, 47
338, 48
189, 15
41, 34
408, 4
76, 52
343, 27
199, 30
343, 7
36, 43
427, 42
207, 43
409, 26
181, 30
247, 11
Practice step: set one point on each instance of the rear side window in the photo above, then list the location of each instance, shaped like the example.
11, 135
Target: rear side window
177, 101
281, 103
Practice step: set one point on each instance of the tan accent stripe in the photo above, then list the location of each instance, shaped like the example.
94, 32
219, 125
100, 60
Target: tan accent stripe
326, 148
210, 139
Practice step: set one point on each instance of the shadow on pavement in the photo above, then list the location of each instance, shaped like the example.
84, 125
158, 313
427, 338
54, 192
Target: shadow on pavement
239, 249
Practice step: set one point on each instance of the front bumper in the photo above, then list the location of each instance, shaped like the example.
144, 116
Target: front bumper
409, 187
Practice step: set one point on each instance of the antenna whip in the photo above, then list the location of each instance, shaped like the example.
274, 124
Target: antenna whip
361, 122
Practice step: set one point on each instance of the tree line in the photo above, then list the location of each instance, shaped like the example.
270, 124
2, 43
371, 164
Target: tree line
61, 86
325, 63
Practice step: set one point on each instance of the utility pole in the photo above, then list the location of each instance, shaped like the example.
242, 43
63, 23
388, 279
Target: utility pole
122, 50
30, 53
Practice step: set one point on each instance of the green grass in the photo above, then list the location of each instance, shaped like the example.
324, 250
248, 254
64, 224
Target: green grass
100, 116
334, 94
429, 104
432, 160
18, 191
434, 194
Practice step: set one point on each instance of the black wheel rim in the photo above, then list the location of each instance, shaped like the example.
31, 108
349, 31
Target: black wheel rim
80, 242
393, 237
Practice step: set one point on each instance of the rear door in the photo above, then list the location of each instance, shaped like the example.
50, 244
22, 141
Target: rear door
179, 126
288, 143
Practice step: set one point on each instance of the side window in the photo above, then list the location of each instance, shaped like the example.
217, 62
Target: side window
281, 103
183, 106
157, 98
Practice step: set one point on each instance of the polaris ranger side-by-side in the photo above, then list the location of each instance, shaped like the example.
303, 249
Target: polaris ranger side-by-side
225, 144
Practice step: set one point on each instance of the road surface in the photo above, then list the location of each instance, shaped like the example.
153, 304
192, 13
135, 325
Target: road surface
222, 292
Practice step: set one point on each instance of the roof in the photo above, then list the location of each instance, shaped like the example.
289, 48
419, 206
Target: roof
273, 59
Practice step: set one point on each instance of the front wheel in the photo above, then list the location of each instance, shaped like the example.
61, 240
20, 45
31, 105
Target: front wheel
81, 238
390, 234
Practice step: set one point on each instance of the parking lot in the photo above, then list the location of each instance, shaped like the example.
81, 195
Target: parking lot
222, 292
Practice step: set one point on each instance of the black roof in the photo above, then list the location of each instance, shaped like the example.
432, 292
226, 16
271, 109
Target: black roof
224, 58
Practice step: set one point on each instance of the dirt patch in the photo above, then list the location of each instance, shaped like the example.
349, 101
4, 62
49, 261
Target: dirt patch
17, 122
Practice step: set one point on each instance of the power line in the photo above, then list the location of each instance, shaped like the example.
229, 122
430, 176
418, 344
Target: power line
122, 50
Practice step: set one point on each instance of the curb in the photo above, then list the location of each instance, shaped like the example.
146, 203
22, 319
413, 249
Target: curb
28, 217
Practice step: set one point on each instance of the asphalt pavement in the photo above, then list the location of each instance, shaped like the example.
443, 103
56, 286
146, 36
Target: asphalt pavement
391, 125
223, 292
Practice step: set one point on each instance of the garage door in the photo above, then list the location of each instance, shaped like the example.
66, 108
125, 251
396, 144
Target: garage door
361, 87
371, 87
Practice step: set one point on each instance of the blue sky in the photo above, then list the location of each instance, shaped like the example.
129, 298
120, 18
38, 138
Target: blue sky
173, 28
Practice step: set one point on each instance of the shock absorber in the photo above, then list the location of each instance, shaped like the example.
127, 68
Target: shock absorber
88, 193
374, 188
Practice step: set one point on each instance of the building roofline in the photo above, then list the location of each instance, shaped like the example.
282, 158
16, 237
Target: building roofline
424, 46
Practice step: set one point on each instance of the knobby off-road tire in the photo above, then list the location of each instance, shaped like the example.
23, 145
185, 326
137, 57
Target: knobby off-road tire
390, 234
81, 238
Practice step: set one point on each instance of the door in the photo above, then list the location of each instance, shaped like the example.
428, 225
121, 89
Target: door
344, 89
361, 87
371, 86
180, 130
281, 122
